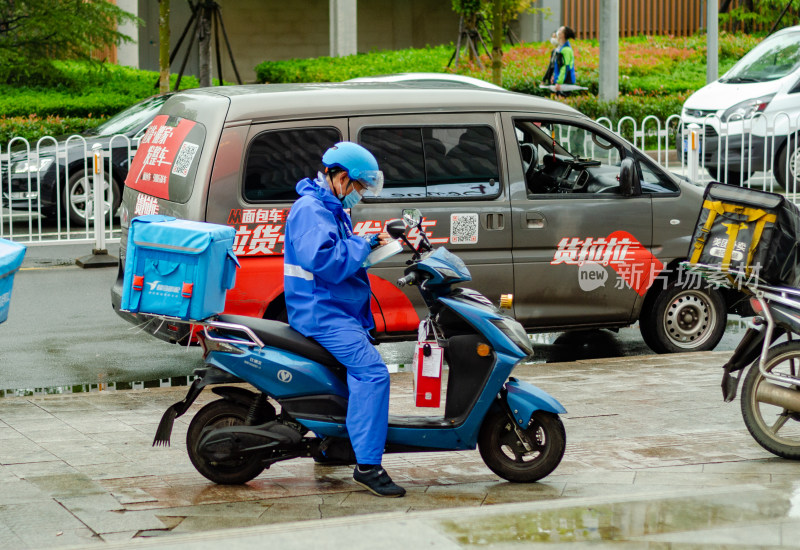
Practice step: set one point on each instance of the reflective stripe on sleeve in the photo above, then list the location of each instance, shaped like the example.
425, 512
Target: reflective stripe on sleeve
296, 271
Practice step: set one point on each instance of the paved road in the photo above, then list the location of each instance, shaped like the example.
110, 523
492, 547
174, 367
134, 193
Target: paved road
62, 331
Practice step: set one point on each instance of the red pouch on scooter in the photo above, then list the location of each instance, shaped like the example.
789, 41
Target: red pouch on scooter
427, 369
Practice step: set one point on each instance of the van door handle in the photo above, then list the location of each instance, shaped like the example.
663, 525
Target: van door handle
534, 220
493, 221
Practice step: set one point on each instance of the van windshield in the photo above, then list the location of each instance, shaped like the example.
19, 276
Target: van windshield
772, 59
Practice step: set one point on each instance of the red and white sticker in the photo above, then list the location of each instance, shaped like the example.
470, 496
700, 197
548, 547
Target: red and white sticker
633, 263
158, 152
259, 231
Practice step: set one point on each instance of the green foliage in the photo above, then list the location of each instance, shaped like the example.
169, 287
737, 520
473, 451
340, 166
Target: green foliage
82, 96
35, 32
34, 127
761, 14
84, 90
466, 8
329, 69
636, 106
511, 8
657, 73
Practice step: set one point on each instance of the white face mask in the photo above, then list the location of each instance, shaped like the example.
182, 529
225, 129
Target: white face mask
554, 41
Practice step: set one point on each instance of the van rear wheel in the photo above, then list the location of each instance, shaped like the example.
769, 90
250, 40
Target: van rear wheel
683, 319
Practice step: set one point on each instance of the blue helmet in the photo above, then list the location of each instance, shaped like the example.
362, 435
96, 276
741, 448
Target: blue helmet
359, 164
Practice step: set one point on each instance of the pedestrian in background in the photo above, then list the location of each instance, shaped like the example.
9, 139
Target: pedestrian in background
564, 68
547, 79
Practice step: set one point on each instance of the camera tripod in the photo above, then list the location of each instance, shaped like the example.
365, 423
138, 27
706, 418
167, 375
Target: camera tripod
204, 11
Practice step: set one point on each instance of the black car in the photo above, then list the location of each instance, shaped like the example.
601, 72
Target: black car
55, 176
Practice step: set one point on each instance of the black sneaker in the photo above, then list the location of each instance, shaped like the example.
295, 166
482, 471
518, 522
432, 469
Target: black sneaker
378, 482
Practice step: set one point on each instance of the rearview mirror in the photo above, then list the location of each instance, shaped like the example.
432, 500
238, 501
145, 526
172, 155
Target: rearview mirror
412, 217
627, 175
396, 228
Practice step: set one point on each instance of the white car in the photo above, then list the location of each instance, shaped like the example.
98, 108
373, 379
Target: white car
758, 98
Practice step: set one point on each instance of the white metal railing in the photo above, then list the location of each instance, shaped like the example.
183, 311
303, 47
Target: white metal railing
46, 188
45, 181
759, 151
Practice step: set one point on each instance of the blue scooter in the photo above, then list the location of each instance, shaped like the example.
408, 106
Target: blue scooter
514, 424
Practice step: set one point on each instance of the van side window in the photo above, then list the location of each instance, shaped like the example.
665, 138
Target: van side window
435, 162
654, 181
567, 160
278, 159
400, 158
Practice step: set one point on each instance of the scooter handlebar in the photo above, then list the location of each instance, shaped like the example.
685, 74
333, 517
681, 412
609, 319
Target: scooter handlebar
409, 279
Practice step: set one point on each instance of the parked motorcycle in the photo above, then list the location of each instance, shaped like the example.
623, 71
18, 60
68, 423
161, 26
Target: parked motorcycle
770, 398
515, 425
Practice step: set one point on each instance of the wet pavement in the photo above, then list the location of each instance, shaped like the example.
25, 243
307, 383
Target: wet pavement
654, 459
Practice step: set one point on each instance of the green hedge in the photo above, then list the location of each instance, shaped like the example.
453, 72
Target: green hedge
80, 96
33, 127
656, 76
657, 73
329, 69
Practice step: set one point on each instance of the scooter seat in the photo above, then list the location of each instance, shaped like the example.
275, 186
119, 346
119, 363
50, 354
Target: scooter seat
280, 335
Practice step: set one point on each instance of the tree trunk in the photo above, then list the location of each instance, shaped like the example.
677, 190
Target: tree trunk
497, 42
163, 45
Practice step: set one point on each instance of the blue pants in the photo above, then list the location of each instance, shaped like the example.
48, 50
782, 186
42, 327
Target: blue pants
368, 383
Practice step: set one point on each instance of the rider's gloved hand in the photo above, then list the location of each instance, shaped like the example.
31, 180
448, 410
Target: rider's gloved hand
374, 241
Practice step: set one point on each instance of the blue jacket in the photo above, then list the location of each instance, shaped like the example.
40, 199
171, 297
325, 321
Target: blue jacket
326, 286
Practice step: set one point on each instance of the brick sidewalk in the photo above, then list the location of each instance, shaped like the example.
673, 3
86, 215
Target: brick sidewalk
79, 469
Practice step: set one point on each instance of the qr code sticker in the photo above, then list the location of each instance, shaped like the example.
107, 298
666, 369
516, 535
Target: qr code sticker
464, 228
183, 161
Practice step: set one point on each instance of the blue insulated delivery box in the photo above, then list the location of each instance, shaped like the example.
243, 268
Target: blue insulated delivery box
178, 268
11, 255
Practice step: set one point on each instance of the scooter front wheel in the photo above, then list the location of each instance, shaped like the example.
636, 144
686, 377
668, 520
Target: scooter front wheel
522, 455
219, 414
773, 426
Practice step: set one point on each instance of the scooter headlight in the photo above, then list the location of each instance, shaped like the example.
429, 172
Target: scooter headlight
514, 331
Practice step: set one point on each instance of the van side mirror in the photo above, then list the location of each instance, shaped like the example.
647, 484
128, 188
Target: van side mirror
396, 228
627, 176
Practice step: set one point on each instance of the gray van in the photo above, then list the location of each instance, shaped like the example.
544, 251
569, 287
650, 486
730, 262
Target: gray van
585, 230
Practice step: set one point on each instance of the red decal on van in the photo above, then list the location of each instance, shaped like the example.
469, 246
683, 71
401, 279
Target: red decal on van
369, 227
259, 231
634, 263
158, 149
641, 268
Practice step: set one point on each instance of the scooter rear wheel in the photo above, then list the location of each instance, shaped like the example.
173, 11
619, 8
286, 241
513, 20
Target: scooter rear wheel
506, 454
775, 428
219, 414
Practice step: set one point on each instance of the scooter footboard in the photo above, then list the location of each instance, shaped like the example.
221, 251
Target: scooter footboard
524, 399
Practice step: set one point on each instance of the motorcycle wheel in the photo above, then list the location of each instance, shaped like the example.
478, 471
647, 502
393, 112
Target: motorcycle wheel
219, 414
505, 454
773, 427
